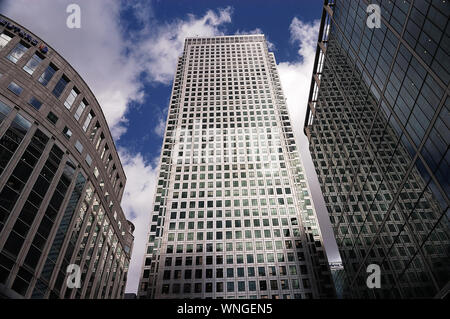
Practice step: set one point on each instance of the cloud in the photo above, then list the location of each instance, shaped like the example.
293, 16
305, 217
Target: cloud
137, 200
105, 56
159, 129
296, 81
296, 76
270, 45
161, 45
95, 50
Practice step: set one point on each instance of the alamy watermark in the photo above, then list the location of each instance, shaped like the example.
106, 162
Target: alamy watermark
374, 279
74, 278
374, 18
74, 19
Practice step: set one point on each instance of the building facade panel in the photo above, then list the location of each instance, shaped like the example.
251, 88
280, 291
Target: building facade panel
378, 126
232, 215
61, 180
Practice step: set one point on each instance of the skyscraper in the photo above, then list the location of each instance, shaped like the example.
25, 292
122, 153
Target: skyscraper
232, 215
61, 180
378, 125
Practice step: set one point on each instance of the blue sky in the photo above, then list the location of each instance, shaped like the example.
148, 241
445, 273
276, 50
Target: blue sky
126, 52
271, 17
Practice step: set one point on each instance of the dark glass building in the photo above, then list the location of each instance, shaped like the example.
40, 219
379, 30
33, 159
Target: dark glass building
61, 180
378, 126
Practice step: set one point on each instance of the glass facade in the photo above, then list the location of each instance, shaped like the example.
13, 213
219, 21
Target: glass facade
60, 86
15, 88
4, 39
232, 214
16, 53
47, 75
378, 125
32, 64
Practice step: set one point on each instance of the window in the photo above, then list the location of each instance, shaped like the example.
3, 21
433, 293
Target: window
88, 120
99, 141
94, 131
32, 64
13, 87
67, 132
105, 149
79, 146
89, 159
96, 172
80, 109
35, 103
71, 98
16, 53
4, 39
47, 75
4, 111
60, 86
52, 117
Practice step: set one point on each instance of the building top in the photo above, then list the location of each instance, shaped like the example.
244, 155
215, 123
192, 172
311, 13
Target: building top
226, 39
46, 49
75, 82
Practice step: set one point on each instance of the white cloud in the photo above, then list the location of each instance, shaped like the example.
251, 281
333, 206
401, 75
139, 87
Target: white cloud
270, 45
163, 44
296, 76
296, 81
159, 129
96, 50
137, 200
110, 63
161, 126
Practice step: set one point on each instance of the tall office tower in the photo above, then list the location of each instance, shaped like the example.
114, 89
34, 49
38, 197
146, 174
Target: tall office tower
378, 125
232, 215
61, 180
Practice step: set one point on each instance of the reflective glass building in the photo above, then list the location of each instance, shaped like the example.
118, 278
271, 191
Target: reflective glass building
378, 125
232, 215
61, 180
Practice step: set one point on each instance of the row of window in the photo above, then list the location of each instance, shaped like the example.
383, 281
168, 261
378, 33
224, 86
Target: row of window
238, 272
225, 82
244, 67
255, 202
225, 41
204, 91
245, 212
228, 47
260, 258
220, 74
215, 58
228, 223
240, 246
242, 286
227, 193
238, 234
